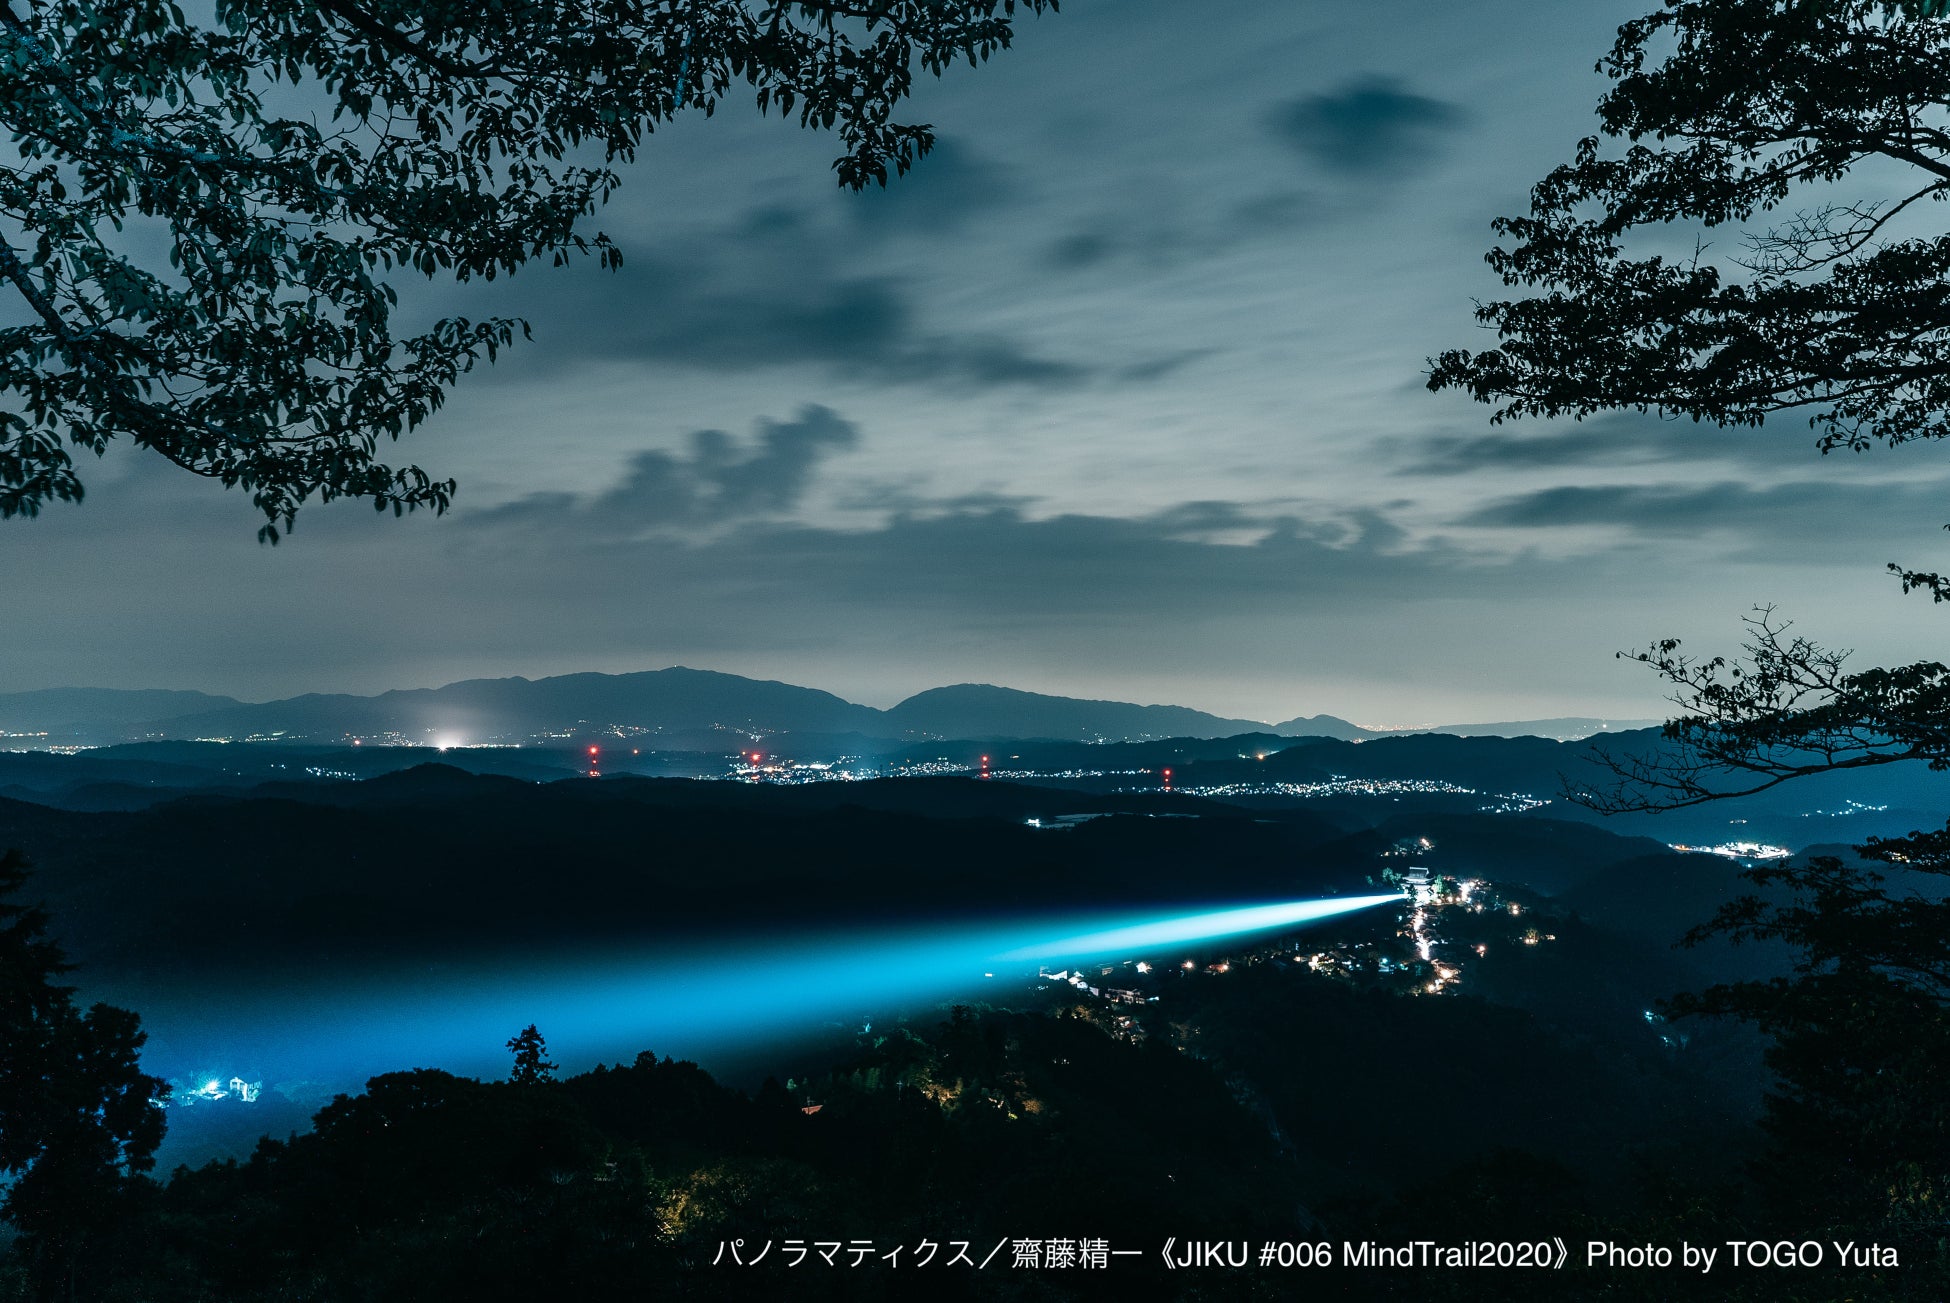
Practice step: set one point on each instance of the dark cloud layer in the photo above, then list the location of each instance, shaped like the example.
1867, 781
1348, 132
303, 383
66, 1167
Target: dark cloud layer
1365, 127
720, 482
866, 327
694, 554
974, 567
1803, 519
951, 186
976, 557
1608, 441
775, 289
1138, 234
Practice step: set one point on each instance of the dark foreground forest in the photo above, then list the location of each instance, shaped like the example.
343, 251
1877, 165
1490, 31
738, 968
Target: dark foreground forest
1361, 1121
1530, 1079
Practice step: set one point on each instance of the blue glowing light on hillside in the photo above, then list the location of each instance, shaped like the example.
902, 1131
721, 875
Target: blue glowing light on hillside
690, 999
1135, 937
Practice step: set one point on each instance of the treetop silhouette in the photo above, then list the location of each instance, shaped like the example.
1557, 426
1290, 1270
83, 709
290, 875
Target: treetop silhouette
1732, 111
206, 222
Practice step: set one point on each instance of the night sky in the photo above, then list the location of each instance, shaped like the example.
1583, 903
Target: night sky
1119, 394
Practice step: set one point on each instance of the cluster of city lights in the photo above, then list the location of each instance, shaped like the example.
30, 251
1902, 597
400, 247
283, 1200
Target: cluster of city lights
216, 1088
1513, 803
1337, 787
1737, 850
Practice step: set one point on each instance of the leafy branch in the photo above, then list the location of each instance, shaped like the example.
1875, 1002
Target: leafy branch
466, 138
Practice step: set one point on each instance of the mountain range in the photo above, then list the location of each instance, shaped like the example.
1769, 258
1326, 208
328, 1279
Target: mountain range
676, 708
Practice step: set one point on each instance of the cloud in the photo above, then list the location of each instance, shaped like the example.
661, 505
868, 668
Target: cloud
1807, 518
1002, 567
1146, 370
974, 568
1274, 213
941, 193
968, 561
694, 555
1366, 127
1604, 441
720, 482
905, 498
1647, 508
864, 327
777, 289
1157, 228
1081, 249
980, 557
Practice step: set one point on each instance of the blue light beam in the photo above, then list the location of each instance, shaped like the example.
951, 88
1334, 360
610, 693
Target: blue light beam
1135, 937
697, 999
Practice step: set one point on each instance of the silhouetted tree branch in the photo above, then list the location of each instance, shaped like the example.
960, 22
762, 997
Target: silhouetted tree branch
453, 137
1728, 110
1787, 711
1731, 108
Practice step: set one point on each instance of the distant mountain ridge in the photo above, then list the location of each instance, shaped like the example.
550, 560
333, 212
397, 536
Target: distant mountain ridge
984, 710
66, 710
1569, 728
518, 709
1325, 726
678, 708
